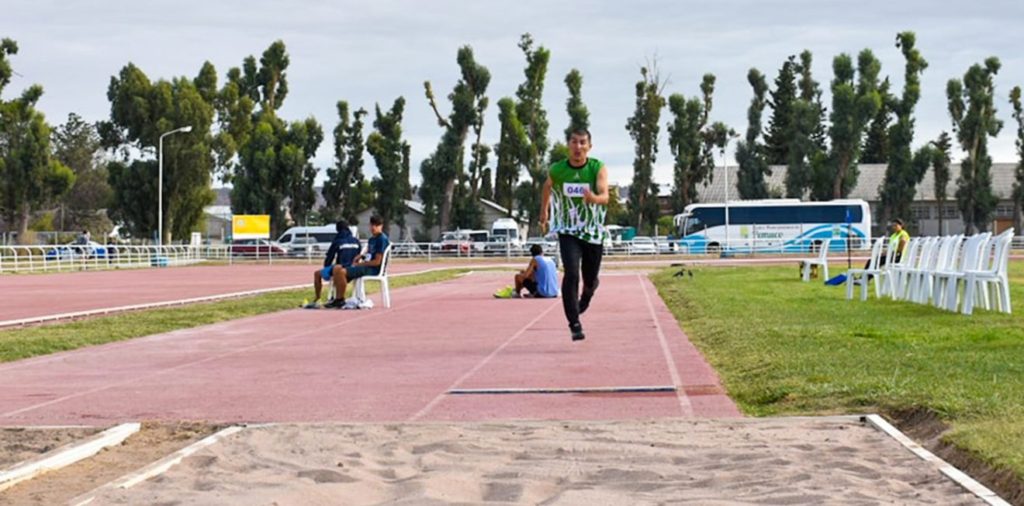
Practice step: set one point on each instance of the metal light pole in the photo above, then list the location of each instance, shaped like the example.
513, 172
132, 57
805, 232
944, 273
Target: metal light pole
160, 184
726, 167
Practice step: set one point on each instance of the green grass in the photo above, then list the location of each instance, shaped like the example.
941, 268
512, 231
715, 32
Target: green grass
17, 344
783, 347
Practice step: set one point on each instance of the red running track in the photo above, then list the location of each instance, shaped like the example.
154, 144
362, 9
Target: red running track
37, 296
384, 364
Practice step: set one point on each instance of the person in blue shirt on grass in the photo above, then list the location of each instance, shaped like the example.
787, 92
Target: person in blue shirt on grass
343, 251
375, 248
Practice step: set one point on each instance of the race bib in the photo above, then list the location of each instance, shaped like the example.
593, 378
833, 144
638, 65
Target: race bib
575, 190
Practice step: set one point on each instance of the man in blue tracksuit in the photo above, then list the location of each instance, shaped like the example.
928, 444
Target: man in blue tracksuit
343, 251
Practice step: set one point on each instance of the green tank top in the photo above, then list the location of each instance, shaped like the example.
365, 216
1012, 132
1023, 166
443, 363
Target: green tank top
568, 213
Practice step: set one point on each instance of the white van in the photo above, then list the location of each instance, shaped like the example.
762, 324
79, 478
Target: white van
508, 229
318, 242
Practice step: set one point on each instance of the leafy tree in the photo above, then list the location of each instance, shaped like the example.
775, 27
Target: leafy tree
940, 170
1018, 185
273, 172
780, 127
445, 167
643, 128
531, 115
341, 190
391, 154
509, 153
806, 134
617, 213
140, 112
751, 153
486, 186
77, 145
876, 145
854, 104
972, 109
579, 116
692, 142
904, 171
30, 177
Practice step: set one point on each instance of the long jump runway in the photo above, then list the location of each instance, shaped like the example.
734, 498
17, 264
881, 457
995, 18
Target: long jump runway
444, 351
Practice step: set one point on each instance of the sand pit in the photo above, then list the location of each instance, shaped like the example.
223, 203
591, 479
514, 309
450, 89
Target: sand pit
835, 460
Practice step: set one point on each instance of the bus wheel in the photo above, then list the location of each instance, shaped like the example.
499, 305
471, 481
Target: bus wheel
714, 249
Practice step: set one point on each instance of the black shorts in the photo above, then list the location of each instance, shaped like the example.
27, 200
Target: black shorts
530, 285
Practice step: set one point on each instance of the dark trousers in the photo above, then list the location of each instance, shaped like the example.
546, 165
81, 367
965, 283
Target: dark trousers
574, 252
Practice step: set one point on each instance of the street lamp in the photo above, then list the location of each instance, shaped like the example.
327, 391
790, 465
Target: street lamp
160, 184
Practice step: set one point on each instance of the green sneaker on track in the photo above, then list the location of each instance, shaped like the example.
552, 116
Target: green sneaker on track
505, 293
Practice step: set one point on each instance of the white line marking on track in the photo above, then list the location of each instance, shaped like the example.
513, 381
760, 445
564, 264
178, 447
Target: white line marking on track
430, 405
564, 390
684, 401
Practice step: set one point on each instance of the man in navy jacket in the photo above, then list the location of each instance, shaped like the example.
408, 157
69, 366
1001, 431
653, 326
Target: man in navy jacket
343, 251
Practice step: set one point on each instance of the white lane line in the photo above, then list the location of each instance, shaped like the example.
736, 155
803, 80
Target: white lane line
156, 468
430, 405
427, 298
560, 390
684, 401
67, 455
958, 476
180, 302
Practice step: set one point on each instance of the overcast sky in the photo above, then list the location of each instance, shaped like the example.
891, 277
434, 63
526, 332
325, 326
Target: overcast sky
372, 52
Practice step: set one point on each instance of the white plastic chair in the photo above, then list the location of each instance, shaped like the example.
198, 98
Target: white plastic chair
946, 290
942, 259
994, 276
821, 261
862, 276
920, 259
381, 277
892, 266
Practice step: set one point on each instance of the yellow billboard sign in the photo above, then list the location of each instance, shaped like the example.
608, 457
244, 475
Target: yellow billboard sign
250, 226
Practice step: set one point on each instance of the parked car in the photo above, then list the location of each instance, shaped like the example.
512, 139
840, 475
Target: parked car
500, 245
547, 243
256, 247
302, 246
456, 241
77, 251
666, 245
641, 245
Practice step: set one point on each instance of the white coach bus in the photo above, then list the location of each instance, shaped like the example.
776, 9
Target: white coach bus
773, 226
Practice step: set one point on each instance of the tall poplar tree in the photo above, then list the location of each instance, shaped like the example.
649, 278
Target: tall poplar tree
534, 120
511, 144
941, 161
445, 167
904, 171
692, 142
273, 172
343, 190
1018, 184
972, 109
643, 127
777, 139
391, 154
30, 177
855, 100
579, 116
751, 152
806, 135
876, 143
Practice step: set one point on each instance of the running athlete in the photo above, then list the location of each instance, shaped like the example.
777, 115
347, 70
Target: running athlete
576, 195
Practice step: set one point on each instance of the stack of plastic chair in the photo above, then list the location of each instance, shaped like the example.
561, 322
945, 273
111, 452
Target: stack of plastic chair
920, 258
945, 293
942, 259
994, 276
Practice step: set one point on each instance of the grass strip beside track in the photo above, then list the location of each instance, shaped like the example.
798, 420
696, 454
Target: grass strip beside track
783, 347
21, 343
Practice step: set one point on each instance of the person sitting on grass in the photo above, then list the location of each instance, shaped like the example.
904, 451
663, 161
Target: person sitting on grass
375, 248
343, 251
540, 278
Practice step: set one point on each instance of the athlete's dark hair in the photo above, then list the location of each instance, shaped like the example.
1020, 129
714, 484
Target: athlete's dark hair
376, 220
579, 131
341, 225
536, 250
